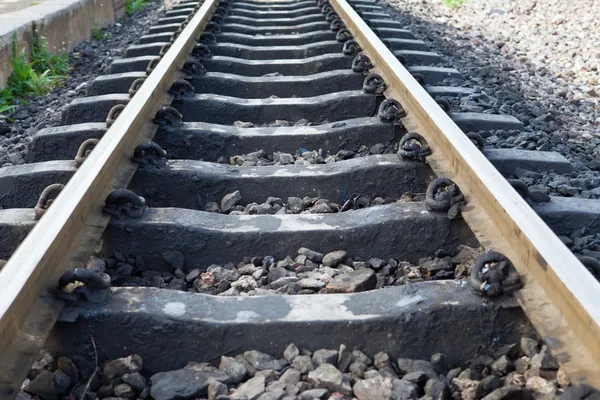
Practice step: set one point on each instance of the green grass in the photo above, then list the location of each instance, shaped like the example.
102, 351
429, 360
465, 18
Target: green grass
5, 109
454, 3
133, 6
36, 74
98, 34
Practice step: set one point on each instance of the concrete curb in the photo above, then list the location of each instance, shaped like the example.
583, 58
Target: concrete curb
64, 24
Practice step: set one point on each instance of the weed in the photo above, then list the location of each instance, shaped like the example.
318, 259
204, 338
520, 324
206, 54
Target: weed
35, 75
3, 110
132, 6
42, 60
454, 3
40, 84
97, 34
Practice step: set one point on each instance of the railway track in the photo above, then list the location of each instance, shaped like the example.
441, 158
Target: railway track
295, 173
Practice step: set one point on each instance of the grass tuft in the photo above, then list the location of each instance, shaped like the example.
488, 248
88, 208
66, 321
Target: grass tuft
36, 74
133, 6
454, 3
98, 34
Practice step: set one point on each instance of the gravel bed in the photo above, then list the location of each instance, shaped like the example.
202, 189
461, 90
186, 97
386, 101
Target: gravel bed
537, 60
523, 370
261, 158
230, 204
308, 272
90, 59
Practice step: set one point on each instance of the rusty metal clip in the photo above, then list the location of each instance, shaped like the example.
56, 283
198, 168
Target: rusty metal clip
493, 275
413, 147
124, 203
201, 51
208, 38
390, 110
336, 25
152, 64
351, 48
113, 114
149, 154
45, 201
81, 284
343, 35
135, 85
374, 84
444, 195
84, 150
361, 63
181, 89
168, 117
212, 28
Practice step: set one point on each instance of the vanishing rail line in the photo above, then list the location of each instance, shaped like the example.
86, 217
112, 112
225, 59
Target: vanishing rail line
227, 84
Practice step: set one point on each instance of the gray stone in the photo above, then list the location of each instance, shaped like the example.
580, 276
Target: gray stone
357, 369
355, 281
296, 205
328, 377
529, 346
403, 390
310, 254
509, 393
314, 394
344, 358
285, 281
439, 363
419, 378
502, 366
261, 361
371, 389
276, 385
291, 352
283, 158
320, 208
406, 365
135, 380
178, 384
544, 360
43, 386
468, 389
245, 283
325, 356
388, 372
122, 366
236, 371
359, 356
230, 200
69, 368
251, 389
269, 375
291, 376
491, 383
219, 274
125, 391
192, 275
333, 258
437, 389
276, 273
272, 395
381, 360
453, 373
310, 283
216, 389
470, 374
303, 364
62, 382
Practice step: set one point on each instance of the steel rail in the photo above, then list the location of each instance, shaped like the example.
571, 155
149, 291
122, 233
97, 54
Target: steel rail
560, 297
67, 234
